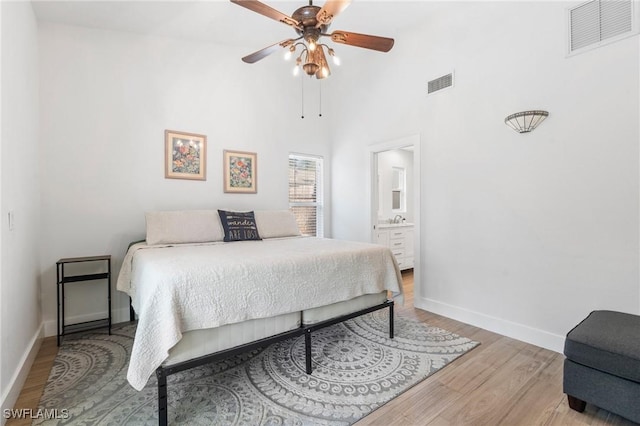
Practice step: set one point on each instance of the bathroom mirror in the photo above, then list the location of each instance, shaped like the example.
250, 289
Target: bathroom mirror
398, 185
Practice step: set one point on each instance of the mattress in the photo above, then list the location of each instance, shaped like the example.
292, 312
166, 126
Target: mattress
206, 341
202, 342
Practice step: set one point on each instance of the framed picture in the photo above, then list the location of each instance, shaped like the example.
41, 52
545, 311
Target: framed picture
240, 172
185, 155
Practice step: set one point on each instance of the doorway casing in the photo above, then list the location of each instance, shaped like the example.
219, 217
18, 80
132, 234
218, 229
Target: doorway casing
372, 197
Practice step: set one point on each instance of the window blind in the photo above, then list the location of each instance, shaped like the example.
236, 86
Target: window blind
305, 193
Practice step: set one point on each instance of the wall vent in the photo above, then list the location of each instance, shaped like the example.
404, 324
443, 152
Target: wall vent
440, 83
600, 22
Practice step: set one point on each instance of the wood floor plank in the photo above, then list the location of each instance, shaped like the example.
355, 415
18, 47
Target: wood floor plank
37, 378
479, 407
534, 402
421, 403
475, 368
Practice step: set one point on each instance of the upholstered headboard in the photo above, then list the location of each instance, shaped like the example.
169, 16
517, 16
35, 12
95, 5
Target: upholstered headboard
199, 226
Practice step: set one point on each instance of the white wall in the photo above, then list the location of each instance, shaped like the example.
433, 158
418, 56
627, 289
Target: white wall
20, 322
521, 234
107, 98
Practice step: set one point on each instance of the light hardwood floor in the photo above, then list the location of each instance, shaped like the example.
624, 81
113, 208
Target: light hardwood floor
501, 382
34, 385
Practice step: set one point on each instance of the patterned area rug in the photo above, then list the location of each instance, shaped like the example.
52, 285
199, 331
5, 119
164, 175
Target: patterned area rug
357, 369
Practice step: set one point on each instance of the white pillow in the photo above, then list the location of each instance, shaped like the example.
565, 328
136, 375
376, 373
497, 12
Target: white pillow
276, 223
179, 227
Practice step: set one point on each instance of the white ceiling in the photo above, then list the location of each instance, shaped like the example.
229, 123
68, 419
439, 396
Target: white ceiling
223, 22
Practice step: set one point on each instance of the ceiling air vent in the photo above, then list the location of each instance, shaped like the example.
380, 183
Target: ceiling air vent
600, 22
440, 83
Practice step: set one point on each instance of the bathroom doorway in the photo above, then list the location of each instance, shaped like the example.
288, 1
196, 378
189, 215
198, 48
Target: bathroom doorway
395, 202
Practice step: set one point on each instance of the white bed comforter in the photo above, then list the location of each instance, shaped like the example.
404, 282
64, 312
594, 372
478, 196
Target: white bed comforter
175, 289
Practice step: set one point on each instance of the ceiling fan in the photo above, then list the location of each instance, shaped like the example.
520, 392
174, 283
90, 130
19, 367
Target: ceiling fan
311, 23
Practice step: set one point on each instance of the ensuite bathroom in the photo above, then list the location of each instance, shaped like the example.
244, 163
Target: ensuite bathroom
395, 225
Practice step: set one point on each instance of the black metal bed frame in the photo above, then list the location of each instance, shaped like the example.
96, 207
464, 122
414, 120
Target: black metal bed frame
163, 372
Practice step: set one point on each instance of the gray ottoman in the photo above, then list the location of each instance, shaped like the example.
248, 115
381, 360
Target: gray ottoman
602, 365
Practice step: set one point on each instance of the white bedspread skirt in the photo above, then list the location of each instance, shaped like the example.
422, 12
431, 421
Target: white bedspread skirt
175, 289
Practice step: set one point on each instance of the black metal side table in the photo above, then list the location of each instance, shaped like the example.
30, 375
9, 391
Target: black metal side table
62, 279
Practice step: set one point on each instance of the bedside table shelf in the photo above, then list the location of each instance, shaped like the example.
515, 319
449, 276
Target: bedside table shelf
62, 279
90, 277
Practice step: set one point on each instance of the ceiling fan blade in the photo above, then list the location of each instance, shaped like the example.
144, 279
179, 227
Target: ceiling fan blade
330, 10
382, 44
263, 53
267, 11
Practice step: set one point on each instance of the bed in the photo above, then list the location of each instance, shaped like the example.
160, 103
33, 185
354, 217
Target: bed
209, 284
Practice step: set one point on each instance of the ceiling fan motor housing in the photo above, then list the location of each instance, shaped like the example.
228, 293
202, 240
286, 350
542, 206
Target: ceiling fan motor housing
306, 15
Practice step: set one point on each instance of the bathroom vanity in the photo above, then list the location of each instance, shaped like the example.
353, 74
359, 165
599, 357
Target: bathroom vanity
399, 238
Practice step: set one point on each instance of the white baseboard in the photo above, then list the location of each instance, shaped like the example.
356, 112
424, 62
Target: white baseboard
10, 395
117, 315
501, 326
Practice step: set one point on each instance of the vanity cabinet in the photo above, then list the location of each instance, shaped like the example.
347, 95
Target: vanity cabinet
399, 238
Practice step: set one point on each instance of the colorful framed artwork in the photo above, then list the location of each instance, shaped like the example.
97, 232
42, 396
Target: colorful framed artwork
185, 155
240, 172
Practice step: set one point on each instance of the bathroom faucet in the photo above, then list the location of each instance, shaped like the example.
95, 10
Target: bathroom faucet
397, 219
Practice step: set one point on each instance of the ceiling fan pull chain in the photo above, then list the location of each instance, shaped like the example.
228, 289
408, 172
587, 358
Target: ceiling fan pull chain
302, 97
320, 84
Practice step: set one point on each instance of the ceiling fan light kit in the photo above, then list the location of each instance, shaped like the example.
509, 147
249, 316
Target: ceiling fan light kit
312, 22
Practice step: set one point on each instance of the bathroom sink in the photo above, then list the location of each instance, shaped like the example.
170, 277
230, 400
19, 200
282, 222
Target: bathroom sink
394, 225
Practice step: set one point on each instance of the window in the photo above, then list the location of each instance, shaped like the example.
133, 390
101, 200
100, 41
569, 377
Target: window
398, 184
305, 193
